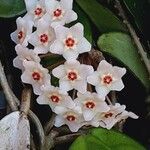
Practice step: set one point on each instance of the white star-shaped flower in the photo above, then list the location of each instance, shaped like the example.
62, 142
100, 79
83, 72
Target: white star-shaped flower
107, 78
23, 32
114, 115
70, 42
35, 10
35, 75
69, 116
59, 12
42, 38
53, 97
73, 75
24, 54
91, 104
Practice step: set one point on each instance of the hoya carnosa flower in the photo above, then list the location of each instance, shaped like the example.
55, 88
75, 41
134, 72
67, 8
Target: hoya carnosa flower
35, 10
114, 115
73, 75
42, 38
70, 42
91, 104
53, 97
35, 75
59, 12
24, 54
69, 116
23, 32
107, 78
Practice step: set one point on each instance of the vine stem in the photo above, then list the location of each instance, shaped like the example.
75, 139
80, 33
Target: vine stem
7, 90
133, 35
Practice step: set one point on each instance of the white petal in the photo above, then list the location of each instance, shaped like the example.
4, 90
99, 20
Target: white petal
70, 16
59, 121
26, 78
57, 47
50, 5
14, 37
86, 70
18, 63
60, 110
41, 49
104, 66
102, 90
70, 54
42, 100
83, 46
61, 32
30, 4
34, 40
65, 85
117, 86
81, 86
59, 71
77, 31
74, 127
67, 4
93, 79
119, 71
88, 115
36, 89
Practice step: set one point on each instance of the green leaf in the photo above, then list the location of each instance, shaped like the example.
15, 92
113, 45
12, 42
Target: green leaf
120, 46
116, 140
83, 18
11, 8
102, 139
103, 18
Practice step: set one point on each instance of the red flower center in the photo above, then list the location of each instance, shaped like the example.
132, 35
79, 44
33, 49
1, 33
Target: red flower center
44, 38
70, 42
38, 11
90, 105
107, 79
36, 76
57, 12
55, 98
108, 115
20, 35
71, 118
72, 76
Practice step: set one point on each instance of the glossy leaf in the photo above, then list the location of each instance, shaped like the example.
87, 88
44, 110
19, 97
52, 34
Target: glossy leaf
11, 8
102, 17
102, 139
120, 46
83, 18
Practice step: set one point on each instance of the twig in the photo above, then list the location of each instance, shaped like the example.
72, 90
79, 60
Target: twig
66, 138
133, 35
39, 127
55, 65
47, 55
26, 97
113, 97
108, 100
50, 124
7, 90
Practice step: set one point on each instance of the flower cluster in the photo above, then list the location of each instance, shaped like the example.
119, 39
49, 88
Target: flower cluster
44, 27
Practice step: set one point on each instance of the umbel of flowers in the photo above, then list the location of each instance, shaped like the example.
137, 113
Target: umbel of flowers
44, 27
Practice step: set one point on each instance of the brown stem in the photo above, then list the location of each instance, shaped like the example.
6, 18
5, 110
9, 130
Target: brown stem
39, 127
47, 55
25, 103
134, 36
55, 65
50, 124
108, 100
67, 138
7, 90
